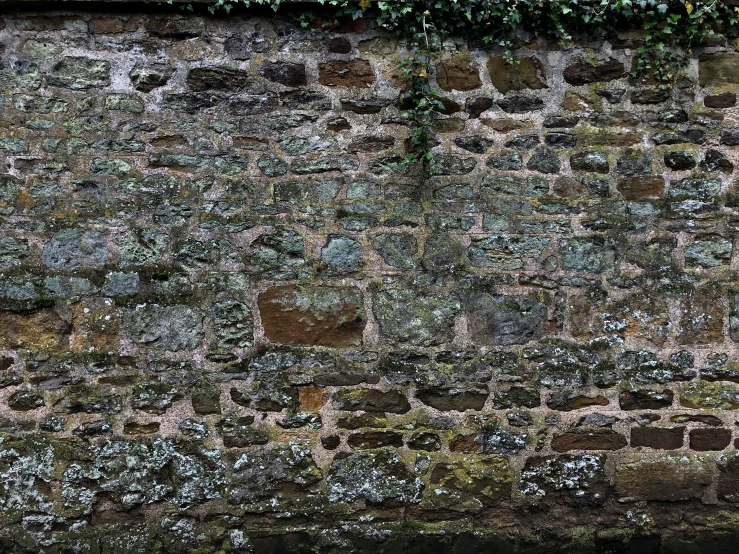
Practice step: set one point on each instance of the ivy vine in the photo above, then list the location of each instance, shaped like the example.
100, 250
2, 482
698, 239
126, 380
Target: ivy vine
670, 29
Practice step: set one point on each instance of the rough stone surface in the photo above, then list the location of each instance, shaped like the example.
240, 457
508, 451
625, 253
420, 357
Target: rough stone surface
416, 317
322, 316
232, 320
355, 73
671, 478
523, 73
459, 73
506, 320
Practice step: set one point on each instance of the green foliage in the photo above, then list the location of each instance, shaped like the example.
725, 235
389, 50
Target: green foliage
671, 29
227, 5
420, 105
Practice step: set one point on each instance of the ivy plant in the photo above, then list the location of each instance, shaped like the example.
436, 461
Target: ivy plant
670, 30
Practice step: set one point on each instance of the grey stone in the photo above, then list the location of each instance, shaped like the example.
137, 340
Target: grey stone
442, 252
19, 74
504, 320
506, 253
708, 252
590, 161
544, 160
142, 247
146, 77
342, 253
396, 249
164, 327
73, 248
416, 317
376, 477
593, 254
233, 324
272, 166
121, 284
80, 73
505, 161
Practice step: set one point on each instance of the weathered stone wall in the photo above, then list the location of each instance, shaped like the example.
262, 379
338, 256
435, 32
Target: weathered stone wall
230, 322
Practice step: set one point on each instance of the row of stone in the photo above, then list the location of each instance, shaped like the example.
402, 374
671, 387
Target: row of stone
239, 432
636, 172
459, 72
336, 317
70, 250
133, 473
157, 397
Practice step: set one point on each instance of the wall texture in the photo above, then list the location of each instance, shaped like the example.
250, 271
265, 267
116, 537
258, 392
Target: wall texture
230, 322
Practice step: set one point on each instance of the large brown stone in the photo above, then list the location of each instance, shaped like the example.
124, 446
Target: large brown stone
595, 439
453, 399
523, 73
702, 316
583, 72
285, 73
354, 73
721, 68
727, 487
42, 330
458, 73
371, 400
217, 78
313, 316
643, 315
476, 106
660, 438
312, 399
608, 137
667, 479
709, 439
575, 101
469, 482
568, 401
640, 187
723, 100
464, 443
645, 399
96, 326
112, 25
375, 439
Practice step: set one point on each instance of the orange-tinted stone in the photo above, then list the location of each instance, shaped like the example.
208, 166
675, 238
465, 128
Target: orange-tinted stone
459, 73
354, 73
38, 330
640, 187
312, 399
309, 316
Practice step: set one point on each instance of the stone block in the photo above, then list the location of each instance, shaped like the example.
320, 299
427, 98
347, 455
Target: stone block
672, 478
309, 315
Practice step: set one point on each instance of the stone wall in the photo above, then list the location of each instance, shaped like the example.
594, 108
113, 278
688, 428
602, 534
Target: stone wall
231, 322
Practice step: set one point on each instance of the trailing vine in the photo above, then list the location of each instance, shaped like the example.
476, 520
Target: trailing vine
419, 102
670, 31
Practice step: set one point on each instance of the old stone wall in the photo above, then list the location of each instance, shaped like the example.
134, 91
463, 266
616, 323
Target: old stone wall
231, 322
